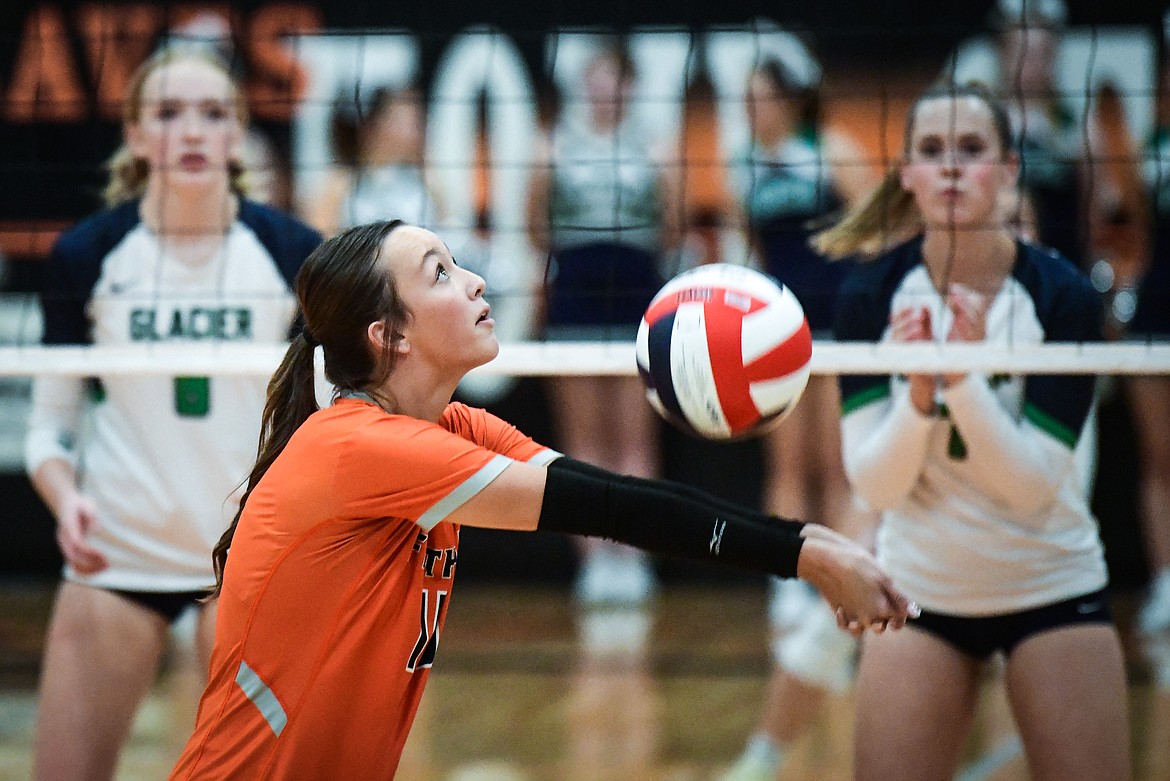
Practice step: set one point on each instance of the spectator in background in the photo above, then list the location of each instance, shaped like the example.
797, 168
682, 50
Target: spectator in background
379, 143
604, 205
787, 181
985, 520
179, 255
1050, 141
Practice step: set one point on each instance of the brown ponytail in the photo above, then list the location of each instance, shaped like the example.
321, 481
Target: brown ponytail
291, 400
341, 289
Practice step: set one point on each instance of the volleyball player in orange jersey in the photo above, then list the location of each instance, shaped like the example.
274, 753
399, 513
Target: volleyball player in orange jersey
334, 578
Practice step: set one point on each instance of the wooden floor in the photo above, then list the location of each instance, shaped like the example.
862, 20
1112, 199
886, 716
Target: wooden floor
526, 688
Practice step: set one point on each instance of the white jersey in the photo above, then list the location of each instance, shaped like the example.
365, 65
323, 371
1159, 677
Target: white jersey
984, 508
161, 457
391, 192
606, 187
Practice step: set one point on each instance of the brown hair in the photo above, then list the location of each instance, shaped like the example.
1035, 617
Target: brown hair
888, 214
128, 174
341, 289
807, 98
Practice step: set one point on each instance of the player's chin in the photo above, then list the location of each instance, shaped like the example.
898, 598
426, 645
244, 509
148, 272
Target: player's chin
490, 349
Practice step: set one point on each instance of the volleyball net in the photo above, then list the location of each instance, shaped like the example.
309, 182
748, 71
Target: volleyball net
489, 91
548, 359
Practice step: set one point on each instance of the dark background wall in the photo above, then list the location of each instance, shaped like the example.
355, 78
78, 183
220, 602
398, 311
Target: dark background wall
50, 174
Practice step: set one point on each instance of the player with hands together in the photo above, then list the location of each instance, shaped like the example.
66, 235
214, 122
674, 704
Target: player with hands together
985, 519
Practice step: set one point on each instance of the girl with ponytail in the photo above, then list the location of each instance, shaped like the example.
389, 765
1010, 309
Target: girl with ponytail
979, 480
180, 254
335, 577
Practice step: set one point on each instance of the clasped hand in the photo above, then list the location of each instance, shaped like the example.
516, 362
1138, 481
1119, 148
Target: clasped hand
914, 324
852, 582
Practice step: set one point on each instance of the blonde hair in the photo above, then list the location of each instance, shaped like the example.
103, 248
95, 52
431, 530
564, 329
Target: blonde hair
889, 215
886, 216
128, 173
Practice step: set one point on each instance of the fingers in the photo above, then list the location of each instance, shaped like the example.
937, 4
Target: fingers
82, 557
890, 609
818, 531
853, 583
911, 324
850, 625
970, 314
72, 531
969, 321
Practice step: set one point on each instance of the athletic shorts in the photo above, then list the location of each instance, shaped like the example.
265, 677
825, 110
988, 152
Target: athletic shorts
600, 291
981, 636
168, 604
1152, 318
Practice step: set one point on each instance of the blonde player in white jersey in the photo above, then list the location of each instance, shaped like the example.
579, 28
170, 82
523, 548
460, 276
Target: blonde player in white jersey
142, 496
985, 521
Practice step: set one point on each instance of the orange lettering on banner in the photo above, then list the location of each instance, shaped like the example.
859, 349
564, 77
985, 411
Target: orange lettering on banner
45, 85
117, 39
278, 81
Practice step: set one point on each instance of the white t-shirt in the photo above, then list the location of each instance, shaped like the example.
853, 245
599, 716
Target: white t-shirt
984, 506
161, 457
606, 187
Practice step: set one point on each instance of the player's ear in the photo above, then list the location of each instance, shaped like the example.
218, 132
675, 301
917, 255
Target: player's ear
376, 334
1012, 165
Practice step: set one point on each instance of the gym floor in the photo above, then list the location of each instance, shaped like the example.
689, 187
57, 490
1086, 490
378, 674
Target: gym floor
527, 687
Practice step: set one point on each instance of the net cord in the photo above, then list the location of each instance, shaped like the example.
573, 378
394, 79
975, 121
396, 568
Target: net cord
542, 359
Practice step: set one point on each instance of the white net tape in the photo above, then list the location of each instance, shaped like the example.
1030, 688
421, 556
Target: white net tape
606, 358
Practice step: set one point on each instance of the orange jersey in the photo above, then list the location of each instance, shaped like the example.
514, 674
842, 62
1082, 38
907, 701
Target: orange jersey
336, 589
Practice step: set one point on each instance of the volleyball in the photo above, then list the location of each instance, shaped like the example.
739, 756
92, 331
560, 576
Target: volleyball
724, 351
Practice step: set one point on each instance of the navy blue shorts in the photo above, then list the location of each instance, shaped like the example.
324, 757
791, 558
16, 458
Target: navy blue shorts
168, 604
982, 636
1152, 317
600, 291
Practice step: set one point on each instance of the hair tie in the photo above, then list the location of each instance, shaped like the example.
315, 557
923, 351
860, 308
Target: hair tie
307, 335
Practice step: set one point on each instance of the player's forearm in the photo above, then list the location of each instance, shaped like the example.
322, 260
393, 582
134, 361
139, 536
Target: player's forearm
884, 448
53, 422
667, 518
55, 481
1015, 462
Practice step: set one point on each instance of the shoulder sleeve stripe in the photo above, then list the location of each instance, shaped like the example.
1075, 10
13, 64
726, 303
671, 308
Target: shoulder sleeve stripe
545, 457
262, 697
867, 396
463, 492
1050, 425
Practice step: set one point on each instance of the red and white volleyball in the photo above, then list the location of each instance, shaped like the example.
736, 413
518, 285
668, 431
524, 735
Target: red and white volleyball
724, 351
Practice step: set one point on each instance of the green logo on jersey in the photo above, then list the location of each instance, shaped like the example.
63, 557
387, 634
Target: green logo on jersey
222, 323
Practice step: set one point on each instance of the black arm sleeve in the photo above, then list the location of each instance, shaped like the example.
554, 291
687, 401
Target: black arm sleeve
668, 518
